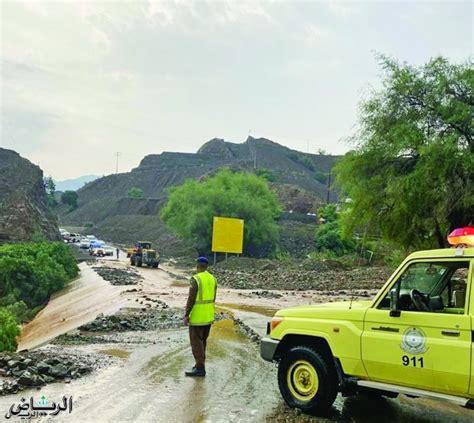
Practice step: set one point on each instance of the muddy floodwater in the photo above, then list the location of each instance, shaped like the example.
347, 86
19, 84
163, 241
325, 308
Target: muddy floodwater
78, 303
146, 382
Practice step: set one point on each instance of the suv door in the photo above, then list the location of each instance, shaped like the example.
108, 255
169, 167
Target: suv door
428, 345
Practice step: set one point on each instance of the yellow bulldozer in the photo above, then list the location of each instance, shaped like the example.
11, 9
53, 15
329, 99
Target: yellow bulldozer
143, 255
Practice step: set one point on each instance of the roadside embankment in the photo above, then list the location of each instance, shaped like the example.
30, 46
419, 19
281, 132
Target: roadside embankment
306, 274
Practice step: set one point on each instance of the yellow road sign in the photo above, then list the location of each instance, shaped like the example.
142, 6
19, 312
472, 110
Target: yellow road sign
228, 235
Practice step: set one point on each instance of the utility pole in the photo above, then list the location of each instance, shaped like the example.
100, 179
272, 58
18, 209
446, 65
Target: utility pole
254, 152
329, 186
117, 154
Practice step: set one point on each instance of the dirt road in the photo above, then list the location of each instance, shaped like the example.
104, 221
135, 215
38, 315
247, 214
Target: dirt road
146, 381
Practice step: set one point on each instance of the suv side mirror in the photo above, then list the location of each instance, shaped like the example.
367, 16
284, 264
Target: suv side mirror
394, 309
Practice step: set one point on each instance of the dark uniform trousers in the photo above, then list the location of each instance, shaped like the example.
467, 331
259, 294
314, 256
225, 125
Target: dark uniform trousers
198, 337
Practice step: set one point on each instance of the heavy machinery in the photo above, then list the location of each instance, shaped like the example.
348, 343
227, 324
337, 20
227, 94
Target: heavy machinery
143, 254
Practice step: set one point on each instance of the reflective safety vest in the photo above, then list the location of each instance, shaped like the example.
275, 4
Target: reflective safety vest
202, 312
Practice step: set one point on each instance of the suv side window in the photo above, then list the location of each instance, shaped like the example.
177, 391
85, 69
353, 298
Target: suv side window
432, 287
454, 294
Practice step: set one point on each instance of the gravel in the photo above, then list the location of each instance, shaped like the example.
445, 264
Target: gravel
115, 276
24, 370
298, 275
152, 319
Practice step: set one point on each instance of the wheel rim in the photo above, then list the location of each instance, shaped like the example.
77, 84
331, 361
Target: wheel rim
302, 380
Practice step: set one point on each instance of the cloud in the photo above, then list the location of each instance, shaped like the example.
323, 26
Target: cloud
344, 9
84, 79
314, 35
212, 12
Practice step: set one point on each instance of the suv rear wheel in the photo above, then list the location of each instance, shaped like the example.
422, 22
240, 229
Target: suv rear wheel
307, 380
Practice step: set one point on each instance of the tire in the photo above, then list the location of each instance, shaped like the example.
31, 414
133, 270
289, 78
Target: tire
154, 265
307, 380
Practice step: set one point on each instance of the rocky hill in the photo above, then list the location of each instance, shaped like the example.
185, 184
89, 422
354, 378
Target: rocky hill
23, 204
103, 202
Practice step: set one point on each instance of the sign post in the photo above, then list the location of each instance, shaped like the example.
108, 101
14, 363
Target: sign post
227, 236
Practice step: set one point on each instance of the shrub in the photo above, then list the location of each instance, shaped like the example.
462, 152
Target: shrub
329, 235
32, 272
9, 330
29, 274
135, 192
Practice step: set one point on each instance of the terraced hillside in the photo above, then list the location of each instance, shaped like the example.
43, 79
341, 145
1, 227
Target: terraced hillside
103, 202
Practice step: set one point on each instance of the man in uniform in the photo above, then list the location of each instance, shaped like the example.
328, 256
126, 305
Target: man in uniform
199, 314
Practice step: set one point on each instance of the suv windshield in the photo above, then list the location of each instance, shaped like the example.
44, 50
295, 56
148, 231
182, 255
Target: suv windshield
431, 287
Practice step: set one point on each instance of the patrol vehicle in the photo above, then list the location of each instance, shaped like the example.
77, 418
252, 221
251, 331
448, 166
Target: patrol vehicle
415, 337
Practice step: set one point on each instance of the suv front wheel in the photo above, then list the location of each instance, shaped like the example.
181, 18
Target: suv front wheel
307, 380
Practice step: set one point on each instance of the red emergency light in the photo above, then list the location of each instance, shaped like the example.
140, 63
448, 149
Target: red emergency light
462, 237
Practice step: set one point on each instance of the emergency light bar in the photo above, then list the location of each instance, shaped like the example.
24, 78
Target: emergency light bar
462, 237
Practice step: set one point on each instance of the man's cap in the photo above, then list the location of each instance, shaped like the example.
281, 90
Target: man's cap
202, 259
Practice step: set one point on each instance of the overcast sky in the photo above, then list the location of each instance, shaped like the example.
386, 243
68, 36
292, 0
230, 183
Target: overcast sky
82, 80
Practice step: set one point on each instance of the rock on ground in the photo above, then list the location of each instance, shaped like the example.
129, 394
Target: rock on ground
37, 368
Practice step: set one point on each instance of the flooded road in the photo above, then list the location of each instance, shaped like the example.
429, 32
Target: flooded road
78, 303
148, 384
146, 381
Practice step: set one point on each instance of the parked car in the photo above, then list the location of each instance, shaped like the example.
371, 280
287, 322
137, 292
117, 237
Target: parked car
84, 243
108, 251
96, 243
73, 237
97, 252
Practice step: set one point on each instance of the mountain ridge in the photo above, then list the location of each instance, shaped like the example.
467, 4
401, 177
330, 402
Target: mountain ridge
74, 184
103, 202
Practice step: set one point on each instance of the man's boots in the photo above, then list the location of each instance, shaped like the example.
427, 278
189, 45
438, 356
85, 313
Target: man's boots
196, 372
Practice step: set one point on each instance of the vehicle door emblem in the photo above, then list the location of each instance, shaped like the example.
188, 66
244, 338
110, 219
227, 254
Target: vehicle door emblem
414, 341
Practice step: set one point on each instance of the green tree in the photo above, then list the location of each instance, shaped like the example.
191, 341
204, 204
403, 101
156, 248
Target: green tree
69, 198
31, 272
329, 236
191, 207
411, 173
50, 187
9, 330
328, 213
135, 192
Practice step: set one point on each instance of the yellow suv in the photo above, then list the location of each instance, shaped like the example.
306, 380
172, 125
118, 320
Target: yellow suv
415, 337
